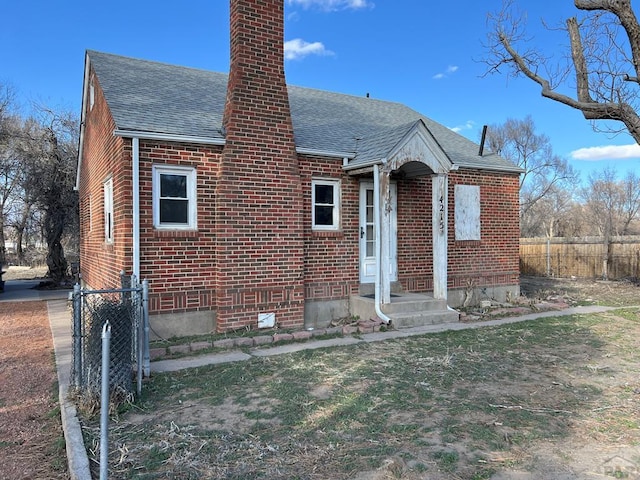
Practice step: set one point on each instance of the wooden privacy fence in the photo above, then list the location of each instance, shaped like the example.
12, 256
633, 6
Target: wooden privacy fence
580, 257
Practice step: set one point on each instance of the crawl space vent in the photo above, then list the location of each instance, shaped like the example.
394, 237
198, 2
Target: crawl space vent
266, 320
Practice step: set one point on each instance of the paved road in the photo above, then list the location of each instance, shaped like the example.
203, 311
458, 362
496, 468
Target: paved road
24, 290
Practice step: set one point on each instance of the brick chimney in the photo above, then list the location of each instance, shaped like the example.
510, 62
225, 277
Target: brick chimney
259, 218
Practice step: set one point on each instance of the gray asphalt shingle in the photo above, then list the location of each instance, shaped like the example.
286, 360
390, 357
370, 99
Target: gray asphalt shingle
154, 97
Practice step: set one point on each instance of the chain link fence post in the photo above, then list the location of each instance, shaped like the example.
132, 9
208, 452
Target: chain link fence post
145, 321
104, 402
77, 336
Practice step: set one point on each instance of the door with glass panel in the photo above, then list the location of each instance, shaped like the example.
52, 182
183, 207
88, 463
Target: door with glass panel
368, 238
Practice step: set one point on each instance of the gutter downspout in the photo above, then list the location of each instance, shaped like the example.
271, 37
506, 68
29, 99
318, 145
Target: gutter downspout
136, 206
376, 215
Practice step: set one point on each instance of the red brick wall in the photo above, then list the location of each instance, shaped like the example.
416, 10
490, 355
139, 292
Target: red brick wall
490, 261
330, 258
179, 264
103, 156
494, 259
415, 235
259, 237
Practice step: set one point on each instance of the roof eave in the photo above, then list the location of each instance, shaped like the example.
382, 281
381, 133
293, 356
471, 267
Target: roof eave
493, 168
170, 137
83, 109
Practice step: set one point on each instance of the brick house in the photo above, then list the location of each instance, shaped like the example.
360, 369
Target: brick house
249, 203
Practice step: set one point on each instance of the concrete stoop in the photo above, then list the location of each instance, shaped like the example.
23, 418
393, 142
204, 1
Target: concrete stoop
406, 310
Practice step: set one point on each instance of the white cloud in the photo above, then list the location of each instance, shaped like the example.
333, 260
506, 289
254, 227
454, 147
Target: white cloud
607, 152
333, 5
468, 125
449, 70
297, 48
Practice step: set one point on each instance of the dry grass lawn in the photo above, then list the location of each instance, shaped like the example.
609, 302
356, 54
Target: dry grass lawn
555, 398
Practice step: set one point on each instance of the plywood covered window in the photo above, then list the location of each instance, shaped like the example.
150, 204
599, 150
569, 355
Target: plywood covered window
467, 212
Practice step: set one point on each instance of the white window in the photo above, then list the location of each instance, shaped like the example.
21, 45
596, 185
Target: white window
325, 201
92, 93
108, 210
174, 197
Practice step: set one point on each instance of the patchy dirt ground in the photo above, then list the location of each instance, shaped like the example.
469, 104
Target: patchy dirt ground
567, 409
581, 291
31, 439
557, 399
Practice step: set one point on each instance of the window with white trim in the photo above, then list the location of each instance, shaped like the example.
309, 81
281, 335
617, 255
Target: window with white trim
174, 197
107, 188
325, 201
92, 94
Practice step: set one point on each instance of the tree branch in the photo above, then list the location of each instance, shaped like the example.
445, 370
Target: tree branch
621, 9
591, 110
580, 63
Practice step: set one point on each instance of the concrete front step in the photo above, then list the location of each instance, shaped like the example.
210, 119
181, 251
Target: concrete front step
406, 309
416, 319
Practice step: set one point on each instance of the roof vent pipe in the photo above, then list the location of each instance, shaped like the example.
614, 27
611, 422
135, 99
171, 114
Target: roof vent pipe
482, 139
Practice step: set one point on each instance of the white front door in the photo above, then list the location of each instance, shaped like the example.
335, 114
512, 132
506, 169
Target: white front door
368, 238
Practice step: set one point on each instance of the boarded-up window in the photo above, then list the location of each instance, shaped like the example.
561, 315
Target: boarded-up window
467, 213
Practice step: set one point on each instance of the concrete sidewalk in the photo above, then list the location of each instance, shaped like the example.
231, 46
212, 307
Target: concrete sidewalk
60, 320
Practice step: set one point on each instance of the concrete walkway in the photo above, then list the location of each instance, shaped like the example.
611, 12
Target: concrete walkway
173, 365
60, 320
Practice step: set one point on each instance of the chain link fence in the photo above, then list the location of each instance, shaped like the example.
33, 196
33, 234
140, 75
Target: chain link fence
125, 312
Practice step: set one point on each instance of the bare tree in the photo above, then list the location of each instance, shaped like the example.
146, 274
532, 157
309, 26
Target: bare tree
9, 167
553, 215
611, 206
629, 202
544, 172
602, 62
48, 158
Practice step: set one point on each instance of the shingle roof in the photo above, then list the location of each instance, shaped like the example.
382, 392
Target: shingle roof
154, 97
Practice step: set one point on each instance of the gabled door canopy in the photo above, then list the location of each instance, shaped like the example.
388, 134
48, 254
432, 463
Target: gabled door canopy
410, 150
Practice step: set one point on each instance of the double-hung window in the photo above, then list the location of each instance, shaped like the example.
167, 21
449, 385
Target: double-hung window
325, 200
107, 188
174, 197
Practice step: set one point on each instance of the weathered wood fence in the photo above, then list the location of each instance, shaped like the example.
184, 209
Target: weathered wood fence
580, 257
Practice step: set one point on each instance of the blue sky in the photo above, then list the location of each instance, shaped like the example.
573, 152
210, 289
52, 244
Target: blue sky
421, 53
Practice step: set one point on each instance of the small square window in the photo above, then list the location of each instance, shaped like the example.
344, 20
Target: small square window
174, 197
325, 199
